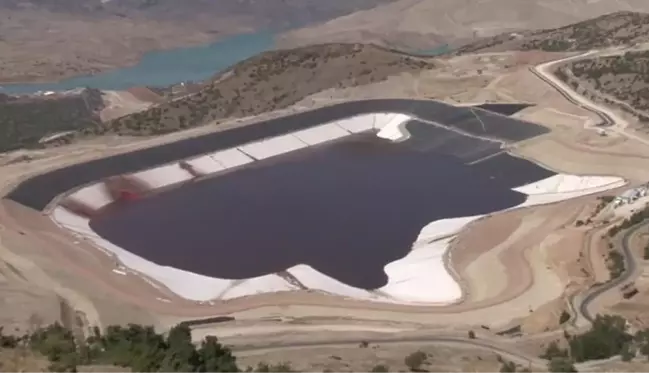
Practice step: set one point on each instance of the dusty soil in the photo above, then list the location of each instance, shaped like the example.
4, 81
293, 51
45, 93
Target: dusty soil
120, 103
424, 24
362, 359
538, 268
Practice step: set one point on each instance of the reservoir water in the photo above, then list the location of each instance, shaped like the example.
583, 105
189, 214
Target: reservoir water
163, 68
346, 208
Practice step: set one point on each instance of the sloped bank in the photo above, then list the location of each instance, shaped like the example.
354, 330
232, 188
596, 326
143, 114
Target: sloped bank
419, 277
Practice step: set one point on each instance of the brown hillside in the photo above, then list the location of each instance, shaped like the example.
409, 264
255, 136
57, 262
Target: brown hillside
269, 81
620, 28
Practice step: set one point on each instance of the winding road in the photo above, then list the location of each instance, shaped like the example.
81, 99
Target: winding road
613, 122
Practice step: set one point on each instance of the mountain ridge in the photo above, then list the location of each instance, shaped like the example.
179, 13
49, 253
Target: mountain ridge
422, 24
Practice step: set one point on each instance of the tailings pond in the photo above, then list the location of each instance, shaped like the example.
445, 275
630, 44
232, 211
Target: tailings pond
346, 208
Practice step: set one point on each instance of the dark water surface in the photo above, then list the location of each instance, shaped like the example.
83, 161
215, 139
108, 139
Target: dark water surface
346, 208
38, 191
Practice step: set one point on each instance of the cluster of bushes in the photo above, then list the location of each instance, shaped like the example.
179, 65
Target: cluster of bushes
24, 121
626, 77
136, 347
608, 337
608, 30
141, 349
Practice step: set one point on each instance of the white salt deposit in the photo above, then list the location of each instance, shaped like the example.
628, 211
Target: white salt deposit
421, 276
315, 280
205, 165
320, 134
94, 196
273, 146
230, 158
163, 176
382, 119
357, 124
562, 183
395, 129
444, 228
186, 284
271, 283
562, 187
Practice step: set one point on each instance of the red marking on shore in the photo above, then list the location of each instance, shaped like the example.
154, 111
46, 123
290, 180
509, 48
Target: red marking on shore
126, 195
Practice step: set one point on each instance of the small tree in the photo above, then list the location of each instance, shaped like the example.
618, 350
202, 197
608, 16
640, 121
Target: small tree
553, 351
565, 316
561, 364
627, 353
380, 368
415, 360
471, 334
508, 366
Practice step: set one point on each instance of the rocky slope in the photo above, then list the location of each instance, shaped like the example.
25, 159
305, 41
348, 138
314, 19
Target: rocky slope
619, 28
422, 24
267, 82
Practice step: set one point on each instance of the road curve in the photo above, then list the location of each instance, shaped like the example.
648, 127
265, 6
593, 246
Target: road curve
607, 120
507, 352
630, 267
541, 74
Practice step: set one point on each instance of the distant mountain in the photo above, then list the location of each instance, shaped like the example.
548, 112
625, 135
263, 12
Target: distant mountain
52, 39
423, 24
275, 14
619, 28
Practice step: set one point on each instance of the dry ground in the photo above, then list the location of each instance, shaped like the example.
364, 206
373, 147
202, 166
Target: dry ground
356, 358
120, 103
424, 24
535, 260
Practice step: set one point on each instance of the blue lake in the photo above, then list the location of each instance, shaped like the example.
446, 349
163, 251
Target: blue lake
163, 68
434, 51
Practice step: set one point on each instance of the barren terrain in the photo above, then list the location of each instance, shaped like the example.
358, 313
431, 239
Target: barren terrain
620, 28
425, 24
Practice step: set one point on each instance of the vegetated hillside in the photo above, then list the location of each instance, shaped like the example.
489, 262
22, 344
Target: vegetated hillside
624, 77
619, 28
269, 81
423, 24
26, 120
141, 348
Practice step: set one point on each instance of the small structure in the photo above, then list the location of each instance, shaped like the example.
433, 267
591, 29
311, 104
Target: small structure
631, 195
